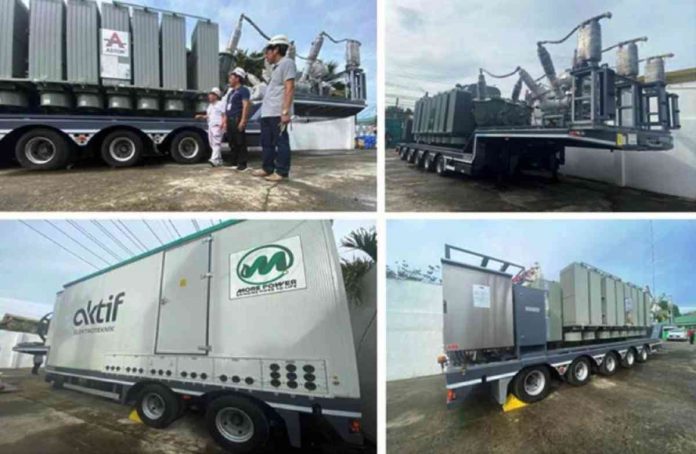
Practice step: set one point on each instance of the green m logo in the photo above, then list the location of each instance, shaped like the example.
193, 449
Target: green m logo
265, 264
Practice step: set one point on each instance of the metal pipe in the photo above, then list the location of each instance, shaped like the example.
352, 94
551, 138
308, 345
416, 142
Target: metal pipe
623, 43
606, 15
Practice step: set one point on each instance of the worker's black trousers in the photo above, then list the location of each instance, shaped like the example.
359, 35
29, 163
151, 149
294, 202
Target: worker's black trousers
35, 369
237, 142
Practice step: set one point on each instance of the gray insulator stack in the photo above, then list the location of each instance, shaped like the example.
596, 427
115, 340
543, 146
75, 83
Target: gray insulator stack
116, 18
46, 36
82, 41
204, 57
352, 54
549, 70
312, 58
516, 90
481, 88
655, 70
14, 39
533, 87
173, 38
627, 60
589, 49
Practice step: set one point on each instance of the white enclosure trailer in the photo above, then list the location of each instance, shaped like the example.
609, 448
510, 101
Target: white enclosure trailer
252, 314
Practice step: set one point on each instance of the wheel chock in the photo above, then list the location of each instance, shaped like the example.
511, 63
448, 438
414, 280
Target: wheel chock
134, 416
513, 403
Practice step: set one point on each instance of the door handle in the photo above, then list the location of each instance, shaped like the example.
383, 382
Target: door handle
205, 348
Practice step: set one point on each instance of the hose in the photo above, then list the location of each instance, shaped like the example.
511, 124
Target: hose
335, 41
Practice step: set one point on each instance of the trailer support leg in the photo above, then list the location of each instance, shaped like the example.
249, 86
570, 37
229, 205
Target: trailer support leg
500, 390
292, 424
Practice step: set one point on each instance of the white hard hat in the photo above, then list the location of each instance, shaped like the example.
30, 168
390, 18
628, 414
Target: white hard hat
239, 72
216, 91
278, 40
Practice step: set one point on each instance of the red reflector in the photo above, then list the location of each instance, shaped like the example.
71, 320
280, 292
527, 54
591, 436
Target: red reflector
451, 395
185, 397
355, 426
453, 347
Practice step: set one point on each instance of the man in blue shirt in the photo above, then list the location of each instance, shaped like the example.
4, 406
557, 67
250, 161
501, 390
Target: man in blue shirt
237, 106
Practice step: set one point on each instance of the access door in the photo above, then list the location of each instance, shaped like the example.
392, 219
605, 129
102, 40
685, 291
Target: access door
183, 310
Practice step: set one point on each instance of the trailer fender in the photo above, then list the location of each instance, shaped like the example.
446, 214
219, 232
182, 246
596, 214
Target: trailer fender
561, 367
598, 359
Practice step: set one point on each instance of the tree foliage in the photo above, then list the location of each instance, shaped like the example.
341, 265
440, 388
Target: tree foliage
364, 240
402, 270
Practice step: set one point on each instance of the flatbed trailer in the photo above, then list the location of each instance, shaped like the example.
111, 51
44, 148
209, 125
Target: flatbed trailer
52, 141
528, 377
506, 151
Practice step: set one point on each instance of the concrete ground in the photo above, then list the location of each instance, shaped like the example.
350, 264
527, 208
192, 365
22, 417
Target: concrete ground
38, 419
411, 189
650, 408
320, 181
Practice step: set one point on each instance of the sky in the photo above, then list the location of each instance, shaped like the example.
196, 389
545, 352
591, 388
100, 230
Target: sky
300, 20
623, 248
431, 46
33, 269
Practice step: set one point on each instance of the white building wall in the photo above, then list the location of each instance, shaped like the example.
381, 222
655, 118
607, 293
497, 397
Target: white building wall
338, 134
670, 172
414, 329
14, 360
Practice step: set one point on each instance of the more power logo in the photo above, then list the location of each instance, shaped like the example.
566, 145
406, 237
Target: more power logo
266, 269
99, 317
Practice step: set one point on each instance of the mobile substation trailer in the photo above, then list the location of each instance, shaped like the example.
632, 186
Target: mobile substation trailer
471, 129
116, 80
514, 335
248, 320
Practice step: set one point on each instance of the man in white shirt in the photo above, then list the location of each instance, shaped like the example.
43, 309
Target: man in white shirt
276, 111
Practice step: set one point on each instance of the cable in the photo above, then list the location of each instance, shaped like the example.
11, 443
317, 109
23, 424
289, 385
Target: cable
74, 240
120, 229
503, 76
195, 224
94, 239
168, 229
246, 18
60, 245
153, 232
134, 238
113, 237
177, 232
581, 24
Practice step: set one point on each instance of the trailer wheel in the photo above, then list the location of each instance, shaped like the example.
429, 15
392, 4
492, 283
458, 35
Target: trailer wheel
187, 147
158, 406
609, 364
403, 153
532, 384
122, 148
42, 149
630, 359
421, 162
579, 372
238, 425
440, 166
428, 163
411, 156
643, 355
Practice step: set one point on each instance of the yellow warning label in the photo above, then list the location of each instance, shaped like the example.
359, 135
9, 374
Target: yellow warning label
620, 140
183, 282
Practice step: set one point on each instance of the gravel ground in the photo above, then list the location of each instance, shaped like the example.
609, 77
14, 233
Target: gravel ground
320, 181
650, 408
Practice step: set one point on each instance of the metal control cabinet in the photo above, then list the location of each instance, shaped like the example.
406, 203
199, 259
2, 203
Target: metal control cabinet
576, 295
530, 316
204, 56
554, 309
478, 309
609, 301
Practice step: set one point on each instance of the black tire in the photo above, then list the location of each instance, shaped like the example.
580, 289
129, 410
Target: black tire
421, 161
610, 364
43, 149
580, 372
238, 424
122, 148
403, 153
440, 166
630, 359
188, 147
411, 156
532, 384
429, 163
643, 355
158, 406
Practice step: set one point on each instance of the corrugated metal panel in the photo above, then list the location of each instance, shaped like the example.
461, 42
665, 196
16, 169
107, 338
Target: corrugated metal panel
115, 18
173, 39
205, 44
46, 35
146, 60
82, 41
14, 38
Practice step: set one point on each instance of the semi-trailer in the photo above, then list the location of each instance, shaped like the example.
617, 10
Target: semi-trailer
471, 129
116, 80
248, 320
515, 335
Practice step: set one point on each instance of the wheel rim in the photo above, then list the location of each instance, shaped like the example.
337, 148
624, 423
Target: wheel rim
629, 358
40, 150
644, 354
188, 148
610, 363
440, 166
581, 371
534, 383
122, 149
153, 406
235, 425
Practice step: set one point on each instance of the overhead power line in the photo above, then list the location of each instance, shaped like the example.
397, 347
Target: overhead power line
128, 234
113, 237
168, 229
153, 232
94, 239
195, 225
60, 245
55, 226
175, 229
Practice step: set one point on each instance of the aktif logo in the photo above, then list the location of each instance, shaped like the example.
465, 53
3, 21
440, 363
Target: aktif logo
265, 264
99, 313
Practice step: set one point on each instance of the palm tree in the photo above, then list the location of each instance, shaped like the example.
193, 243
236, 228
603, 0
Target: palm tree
252, 62
363, 240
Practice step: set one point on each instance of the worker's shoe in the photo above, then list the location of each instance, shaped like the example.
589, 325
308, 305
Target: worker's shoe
241, 168
275, 178
261, 173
